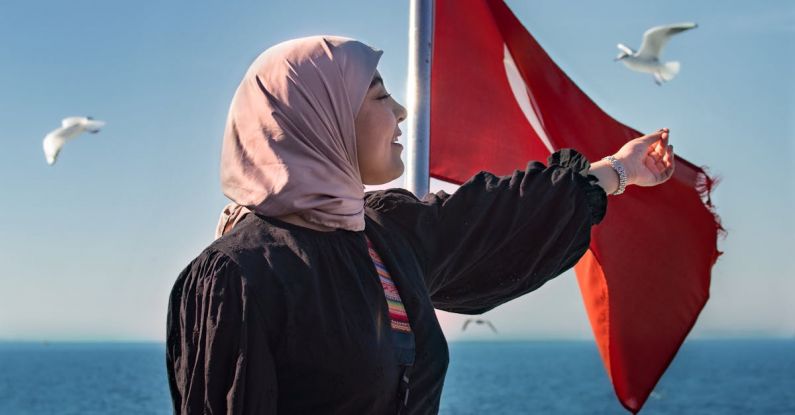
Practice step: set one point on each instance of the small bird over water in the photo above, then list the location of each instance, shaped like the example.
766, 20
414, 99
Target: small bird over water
478, 321
647, 58
70, 128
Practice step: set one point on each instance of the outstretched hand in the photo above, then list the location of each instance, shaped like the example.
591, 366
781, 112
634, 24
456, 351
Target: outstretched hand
648, 160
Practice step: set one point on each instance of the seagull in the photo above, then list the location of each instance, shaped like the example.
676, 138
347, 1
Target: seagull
647, 59
70, 128
478, 321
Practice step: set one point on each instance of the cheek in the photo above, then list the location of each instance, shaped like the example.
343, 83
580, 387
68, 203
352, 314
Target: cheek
379, 159
374, 130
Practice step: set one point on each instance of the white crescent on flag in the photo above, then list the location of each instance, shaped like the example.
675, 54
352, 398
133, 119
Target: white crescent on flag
524, 97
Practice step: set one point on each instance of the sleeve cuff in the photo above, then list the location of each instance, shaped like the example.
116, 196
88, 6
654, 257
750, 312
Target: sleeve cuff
595, 196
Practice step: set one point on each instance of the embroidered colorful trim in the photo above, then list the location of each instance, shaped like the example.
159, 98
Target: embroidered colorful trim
397, 313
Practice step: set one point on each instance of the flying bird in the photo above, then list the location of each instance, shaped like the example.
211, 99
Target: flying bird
70, 128
647, 58
478, 321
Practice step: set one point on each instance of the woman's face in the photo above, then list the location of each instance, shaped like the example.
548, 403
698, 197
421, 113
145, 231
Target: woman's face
376, 135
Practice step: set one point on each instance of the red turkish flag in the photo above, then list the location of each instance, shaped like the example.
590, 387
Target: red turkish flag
498, 101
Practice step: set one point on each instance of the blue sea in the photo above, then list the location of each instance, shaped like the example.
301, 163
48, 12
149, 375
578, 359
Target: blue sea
543, 377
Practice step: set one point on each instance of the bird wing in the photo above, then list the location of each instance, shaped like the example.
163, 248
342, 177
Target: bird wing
52, 144
624, 48
70, 121
492, 326
55, 140
93, 125
466, 323
655, 38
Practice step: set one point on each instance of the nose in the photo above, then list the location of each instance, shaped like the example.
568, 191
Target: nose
400, 112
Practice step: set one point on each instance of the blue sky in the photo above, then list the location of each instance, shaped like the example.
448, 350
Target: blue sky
91, 246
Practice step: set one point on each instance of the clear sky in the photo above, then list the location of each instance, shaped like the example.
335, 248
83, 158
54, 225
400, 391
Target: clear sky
91, 246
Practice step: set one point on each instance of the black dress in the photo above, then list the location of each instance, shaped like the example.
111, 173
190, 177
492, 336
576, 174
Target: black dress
277, 318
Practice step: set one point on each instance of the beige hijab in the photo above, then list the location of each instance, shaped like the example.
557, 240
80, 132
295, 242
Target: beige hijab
290, 143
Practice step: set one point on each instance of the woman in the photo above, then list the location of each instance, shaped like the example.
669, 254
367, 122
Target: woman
321, 300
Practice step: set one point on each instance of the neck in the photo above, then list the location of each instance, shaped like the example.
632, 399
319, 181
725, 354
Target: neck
297, 220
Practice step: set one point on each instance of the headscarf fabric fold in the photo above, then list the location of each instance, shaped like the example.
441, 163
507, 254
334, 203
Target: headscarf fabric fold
290, 143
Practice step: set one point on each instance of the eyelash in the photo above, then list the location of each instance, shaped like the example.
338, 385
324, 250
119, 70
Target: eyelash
385, 96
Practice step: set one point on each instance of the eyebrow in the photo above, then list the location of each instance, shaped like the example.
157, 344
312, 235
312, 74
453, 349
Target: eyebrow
376, 80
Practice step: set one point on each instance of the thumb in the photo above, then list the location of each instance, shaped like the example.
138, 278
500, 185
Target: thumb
650, 139
658, 136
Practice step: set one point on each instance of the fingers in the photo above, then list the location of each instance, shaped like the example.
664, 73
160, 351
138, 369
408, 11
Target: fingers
662, 167
671, 161
668, 157
658, 150
668, 164
657, 143
659, 157
652, 166
661, 147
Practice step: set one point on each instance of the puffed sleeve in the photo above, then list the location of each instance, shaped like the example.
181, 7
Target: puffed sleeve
497, 238
217, 353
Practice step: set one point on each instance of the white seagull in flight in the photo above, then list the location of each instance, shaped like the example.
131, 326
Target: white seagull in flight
647, 58
70, 128
478, 321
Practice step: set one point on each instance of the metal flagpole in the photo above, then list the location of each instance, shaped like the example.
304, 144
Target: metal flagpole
419, 96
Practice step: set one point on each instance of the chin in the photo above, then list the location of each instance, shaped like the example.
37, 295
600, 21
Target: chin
399, 169
386, 177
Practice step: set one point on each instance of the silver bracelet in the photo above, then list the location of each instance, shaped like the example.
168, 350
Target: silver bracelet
622, 174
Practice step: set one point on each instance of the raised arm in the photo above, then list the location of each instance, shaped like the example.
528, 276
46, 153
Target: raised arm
499, 237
